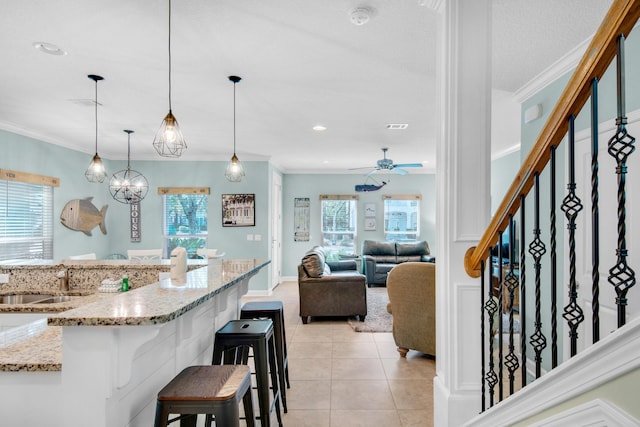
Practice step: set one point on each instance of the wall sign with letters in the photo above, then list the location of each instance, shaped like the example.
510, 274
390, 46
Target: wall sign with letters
134, 221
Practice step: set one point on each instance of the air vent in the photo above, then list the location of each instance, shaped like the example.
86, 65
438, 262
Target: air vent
397, 126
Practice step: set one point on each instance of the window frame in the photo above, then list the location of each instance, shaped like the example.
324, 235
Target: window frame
414, 216
27, 234
194, 241
332, 250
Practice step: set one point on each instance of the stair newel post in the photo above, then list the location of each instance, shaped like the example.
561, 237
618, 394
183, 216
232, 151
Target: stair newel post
571, 206
537, 249
621, 145
554, 259
595, 217
523, 294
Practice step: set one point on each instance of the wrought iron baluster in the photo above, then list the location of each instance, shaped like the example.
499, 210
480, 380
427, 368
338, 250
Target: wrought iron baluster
482, 335
511, 283
500, 325
537, 250
595, 217
523, 294
491, 308
571, 206
621, 145
554, 261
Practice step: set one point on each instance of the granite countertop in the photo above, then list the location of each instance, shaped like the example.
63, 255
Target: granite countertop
156, 303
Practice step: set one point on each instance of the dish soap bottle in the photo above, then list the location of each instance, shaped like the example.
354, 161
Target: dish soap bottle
125, 284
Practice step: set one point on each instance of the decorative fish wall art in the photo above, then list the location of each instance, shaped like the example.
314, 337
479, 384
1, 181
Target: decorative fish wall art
82, 215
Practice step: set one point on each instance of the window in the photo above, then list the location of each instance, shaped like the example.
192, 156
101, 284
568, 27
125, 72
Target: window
402, 217
339, 221
26, 216
185, 220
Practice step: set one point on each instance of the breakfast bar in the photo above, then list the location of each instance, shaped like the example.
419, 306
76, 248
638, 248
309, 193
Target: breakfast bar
103, 362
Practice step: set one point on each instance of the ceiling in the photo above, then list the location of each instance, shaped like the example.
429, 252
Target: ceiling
302, 63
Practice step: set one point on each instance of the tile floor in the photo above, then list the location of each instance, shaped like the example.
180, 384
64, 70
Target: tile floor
342, 378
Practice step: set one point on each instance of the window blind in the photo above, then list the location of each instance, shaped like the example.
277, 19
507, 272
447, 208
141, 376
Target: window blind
26, 220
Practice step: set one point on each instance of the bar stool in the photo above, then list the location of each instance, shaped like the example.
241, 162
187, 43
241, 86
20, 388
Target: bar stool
211, 390
231, 346
273, 310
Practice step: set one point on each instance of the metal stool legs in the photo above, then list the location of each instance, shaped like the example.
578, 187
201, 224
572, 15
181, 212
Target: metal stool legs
231, 346
273, 310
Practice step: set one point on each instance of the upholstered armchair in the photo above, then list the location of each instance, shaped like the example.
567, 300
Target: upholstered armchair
412, 303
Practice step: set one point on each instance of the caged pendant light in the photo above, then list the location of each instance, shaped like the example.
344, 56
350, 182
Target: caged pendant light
235, 171
128, 186
169, 141
96, 171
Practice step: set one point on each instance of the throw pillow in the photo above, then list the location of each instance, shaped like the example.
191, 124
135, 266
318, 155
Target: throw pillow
313, 263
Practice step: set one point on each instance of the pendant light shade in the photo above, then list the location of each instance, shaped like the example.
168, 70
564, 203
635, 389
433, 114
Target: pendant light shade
169, 141
128, 185
235, 171
96, 171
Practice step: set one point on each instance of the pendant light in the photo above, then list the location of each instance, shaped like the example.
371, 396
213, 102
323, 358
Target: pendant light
169, 141
128, 185
96, 171
235, 171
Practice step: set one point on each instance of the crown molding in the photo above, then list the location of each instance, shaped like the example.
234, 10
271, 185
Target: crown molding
552, 72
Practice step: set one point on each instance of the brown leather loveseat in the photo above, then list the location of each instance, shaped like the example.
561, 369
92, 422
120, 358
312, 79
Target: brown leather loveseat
330, 288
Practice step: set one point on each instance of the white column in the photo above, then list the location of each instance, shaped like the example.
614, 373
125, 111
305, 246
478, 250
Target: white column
463, 194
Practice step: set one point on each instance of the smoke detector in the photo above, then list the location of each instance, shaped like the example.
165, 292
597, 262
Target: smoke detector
361, 15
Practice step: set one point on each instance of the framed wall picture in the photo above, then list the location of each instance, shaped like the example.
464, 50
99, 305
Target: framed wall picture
370, 210
369, 224
238, 210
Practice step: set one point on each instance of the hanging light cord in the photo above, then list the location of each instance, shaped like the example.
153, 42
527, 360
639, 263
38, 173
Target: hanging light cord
128, 150
234, 118
170, 56
96, 108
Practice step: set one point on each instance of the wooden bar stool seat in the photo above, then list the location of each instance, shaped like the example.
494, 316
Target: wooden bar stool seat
212, 390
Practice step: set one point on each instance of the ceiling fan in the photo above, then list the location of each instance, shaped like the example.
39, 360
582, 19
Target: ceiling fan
387, 164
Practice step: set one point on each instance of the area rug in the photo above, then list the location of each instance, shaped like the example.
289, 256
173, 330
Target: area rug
377, 319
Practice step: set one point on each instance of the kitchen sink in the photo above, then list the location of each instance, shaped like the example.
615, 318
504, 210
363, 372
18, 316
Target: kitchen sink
34, 299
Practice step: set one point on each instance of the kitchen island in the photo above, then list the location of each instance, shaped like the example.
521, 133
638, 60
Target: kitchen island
116, 352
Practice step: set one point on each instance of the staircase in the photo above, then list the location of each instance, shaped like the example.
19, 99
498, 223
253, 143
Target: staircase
558, 258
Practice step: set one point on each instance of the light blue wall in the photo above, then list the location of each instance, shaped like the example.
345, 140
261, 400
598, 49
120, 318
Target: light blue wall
28, 155
503, 170
312, 186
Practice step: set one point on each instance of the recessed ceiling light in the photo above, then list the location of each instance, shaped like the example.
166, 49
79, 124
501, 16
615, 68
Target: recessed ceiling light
397, 126
319, 128
326, 162
49, 48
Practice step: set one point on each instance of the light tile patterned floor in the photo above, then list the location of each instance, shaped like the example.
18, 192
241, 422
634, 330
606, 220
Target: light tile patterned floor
342, 378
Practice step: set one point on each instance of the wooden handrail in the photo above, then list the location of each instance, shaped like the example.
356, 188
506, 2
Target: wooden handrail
620, 19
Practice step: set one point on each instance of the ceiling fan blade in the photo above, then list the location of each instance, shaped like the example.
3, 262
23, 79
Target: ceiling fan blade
400, 171
363, 167
408, 165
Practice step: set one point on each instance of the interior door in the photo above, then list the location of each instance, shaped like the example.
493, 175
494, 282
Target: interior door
276, 230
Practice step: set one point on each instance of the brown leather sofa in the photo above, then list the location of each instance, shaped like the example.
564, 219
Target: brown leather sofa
330, 288
379, 257
412, 303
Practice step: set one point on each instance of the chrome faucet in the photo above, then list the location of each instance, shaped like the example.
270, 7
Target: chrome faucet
63, 276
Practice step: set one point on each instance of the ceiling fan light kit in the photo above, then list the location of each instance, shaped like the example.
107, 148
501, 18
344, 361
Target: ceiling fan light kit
388, 165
